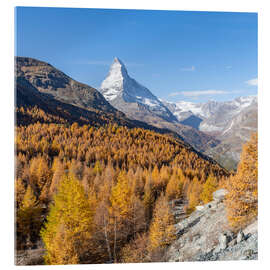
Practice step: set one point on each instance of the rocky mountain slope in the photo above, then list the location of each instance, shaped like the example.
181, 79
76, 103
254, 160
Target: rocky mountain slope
205, 235
28, 96
51, 81
236, 133
230, 122
39, 84
127, 95
215, 116
138, 103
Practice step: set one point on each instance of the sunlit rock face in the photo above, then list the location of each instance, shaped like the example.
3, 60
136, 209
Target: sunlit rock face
129, 96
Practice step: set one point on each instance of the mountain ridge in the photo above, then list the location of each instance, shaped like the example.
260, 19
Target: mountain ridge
49, 80
29, 96
32, 74
211, 110
119, 88
231, 122
126, 102
138, 103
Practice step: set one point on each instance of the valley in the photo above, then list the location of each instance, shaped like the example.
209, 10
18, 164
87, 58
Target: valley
135, 136
212, 127
217, 129
120, 162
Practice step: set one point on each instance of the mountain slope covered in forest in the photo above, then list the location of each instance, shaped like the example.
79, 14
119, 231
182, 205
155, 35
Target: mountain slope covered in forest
92, 189
120, 172
38, 84
117, 167
139, 103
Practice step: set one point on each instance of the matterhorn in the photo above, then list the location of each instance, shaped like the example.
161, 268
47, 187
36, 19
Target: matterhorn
130, 97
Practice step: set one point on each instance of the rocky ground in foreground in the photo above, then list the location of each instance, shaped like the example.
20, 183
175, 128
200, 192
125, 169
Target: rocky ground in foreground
30, 257
205, 236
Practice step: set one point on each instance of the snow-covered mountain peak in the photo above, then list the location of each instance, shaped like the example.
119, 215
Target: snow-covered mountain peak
112, 86
117, 60
215, 115
211, 107
245, 101
119, 88
119, 84
118, 67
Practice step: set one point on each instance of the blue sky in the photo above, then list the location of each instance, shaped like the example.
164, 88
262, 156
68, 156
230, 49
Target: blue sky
192, 56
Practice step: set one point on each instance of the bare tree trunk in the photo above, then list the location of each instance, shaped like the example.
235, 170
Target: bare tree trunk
106, 239
134, 221
114, 247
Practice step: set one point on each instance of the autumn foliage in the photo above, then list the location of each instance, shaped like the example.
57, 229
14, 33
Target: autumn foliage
98, 193
208, 188
29, 219
69, 224
242, 199
162, 231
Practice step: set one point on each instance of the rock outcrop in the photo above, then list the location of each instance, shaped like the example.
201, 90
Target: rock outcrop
205, 235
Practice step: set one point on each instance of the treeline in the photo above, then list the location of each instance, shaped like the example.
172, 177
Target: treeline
102, 194
27, 115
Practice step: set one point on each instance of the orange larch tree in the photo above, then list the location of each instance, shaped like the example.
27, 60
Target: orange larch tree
242, 199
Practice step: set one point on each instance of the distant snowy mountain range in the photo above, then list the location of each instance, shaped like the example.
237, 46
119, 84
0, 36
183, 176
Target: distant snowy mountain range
138, 103
231, 122
214, 116
211, 107
194, 121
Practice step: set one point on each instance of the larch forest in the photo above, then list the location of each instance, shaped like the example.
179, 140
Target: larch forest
99, 194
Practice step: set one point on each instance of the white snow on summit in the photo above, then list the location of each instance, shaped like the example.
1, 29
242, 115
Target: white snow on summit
215, 115
119, 85
243, 102
209, 108
121, 91
186, 106
113, 84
